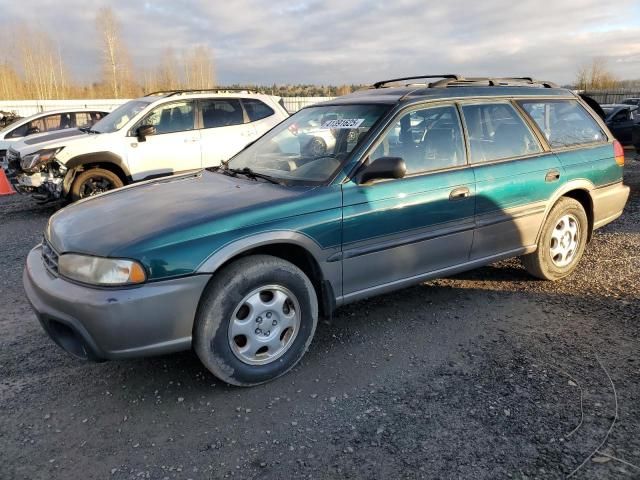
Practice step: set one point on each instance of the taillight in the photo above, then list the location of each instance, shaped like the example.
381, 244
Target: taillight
618, 152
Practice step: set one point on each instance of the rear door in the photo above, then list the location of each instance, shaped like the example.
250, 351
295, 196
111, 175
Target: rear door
514, 177
397, 230
225, 129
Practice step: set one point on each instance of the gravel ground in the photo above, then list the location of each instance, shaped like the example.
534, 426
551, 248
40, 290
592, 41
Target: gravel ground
488, 374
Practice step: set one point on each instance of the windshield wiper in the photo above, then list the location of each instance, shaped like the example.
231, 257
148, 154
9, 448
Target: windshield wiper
250, 174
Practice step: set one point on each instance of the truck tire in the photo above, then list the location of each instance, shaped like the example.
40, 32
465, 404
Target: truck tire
255, 320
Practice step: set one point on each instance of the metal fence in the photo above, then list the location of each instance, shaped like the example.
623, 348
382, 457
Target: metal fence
612, 96
25, 108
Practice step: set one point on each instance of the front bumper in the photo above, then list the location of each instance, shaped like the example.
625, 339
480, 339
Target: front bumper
103, 324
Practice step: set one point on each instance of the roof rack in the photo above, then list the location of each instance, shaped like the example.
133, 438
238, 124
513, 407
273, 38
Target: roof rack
170, 93
448, 76
452, 80
492, 82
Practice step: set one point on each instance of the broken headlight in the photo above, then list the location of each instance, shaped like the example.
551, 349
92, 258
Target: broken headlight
30, 162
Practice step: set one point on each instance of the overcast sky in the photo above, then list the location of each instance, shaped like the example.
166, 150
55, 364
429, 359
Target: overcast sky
351, 41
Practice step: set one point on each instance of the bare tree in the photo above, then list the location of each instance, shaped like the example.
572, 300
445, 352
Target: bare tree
198, 68
116, 61
41, 65
168, 74
596, 76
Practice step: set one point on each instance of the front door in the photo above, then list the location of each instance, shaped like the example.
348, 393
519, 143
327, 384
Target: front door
175, 146
398, 230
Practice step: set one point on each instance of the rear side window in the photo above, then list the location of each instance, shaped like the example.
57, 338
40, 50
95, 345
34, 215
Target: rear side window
256, 109
221, 113
564, 123
496, 131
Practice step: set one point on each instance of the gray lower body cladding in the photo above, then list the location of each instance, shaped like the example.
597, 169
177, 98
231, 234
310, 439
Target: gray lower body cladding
104, 324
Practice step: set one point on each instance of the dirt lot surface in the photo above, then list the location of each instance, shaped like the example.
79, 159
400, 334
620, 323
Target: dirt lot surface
488, 374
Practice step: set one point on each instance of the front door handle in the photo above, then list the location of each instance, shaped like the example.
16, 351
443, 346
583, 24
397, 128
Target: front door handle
552, 176
459, 193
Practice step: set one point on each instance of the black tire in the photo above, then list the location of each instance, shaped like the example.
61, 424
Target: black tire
540, 263
94, 181
223, 296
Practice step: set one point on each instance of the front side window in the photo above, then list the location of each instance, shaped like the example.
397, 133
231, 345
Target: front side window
171, 118
496, 131
221, 113
256, 110
121, 116
428, 139
311, 145
37, 126
564, 122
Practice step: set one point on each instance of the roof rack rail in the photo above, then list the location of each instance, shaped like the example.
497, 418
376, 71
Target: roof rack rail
491, 82
449, 76
170, 93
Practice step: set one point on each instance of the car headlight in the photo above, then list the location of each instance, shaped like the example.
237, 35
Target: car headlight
29, 162
100, 271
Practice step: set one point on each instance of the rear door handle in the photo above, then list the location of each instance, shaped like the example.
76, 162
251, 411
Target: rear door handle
552, 176
459, 193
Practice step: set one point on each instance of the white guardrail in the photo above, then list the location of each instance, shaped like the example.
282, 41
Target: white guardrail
24, 108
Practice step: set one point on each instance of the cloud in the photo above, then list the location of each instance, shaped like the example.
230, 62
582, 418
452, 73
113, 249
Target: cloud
356, 41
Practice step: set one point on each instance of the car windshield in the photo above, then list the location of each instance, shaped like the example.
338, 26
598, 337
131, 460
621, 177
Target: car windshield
120, 116
311, 145
607, 110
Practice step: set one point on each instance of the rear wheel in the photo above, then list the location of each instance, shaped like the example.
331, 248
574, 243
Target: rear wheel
93, 182
562, 241
255, 320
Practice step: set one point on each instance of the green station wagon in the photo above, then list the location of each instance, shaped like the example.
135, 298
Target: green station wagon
411, 179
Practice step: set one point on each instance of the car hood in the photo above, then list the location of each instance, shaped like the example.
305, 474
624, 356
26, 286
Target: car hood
164, 212
41, 141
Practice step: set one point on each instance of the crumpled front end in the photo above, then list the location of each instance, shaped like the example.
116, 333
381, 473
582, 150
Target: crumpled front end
44, 180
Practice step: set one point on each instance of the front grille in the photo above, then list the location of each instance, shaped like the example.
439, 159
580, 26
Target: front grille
49, 257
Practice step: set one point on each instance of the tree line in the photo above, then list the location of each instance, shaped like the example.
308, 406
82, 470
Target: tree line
37, 69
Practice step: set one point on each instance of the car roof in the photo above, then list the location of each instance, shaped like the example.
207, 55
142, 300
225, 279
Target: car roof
619, 106
412, 94
62, 110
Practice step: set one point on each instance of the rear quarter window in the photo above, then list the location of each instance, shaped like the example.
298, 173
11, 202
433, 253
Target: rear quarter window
564, 123
256, 110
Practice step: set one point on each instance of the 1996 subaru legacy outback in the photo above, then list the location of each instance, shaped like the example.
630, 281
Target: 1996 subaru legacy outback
364, 194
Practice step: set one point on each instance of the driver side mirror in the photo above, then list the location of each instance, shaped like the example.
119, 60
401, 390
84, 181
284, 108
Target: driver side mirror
144, 131
382, 168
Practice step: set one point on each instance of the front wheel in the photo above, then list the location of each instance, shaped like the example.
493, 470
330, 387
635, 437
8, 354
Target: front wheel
256, 320
93, 182
562, 241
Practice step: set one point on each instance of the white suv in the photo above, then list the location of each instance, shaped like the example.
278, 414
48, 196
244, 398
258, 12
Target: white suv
157, 135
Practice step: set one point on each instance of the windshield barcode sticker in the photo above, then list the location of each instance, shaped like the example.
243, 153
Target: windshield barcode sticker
343, 123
